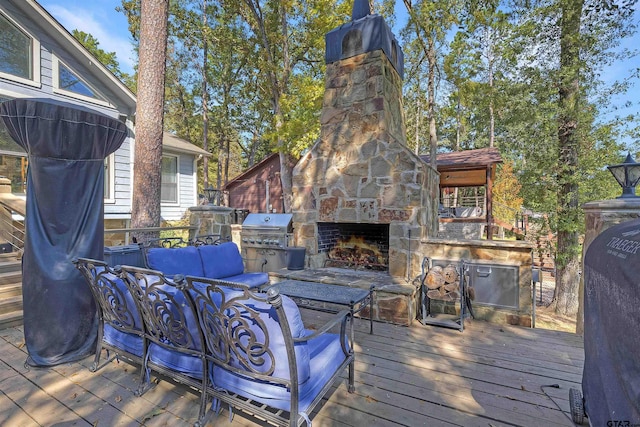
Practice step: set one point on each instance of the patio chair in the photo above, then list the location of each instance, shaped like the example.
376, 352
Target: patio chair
263, 359
176, 345
120, 328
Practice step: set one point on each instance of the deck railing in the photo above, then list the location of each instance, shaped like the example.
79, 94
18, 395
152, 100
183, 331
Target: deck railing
127, 233
12, 211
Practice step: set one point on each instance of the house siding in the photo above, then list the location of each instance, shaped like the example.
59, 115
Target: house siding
121, 205
46, 70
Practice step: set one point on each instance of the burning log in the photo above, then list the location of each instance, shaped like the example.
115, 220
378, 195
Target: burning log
357, 251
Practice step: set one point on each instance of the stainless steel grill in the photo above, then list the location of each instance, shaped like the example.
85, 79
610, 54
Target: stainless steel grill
265, 239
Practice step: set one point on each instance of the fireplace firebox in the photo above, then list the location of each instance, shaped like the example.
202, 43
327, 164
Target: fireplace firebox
364, 246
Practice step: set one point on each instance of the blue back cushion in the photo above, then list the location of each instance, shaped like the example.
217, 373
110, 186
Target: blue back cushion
174, 302
124, 311
276, 339
219, 261
182, 332
172, 261
121, 316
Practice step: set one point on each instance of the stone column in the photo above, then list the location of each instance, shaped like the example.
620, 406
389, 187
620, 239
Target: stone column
211, 219
599, 216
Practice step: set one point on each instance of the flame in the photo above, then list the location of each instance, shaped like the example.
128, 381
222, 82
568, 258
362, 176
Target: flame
356, 249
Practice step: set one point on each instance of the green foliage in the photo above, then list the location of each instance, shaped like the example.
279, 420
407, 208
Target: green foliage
301, 106
265, 80
264, 74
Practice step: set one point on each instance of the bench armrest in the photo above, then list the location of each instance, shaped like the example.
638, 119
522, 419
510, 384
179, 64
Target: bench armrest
342, 317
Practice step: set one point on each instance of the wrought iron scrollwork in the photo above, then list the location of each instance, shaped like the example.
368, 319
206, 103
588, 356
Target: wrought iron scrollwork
162, 309
110, 292
209, 239
235, 332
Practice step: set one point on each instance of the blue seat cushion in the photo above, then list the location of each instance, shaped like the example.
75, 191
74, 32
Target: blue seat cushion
221, 261
326, 356
129, 343
252, 280
172, 261
176, 360
122, 312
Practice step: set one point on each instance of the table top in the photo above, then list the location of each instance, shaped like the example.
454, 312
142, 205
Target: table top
316, 291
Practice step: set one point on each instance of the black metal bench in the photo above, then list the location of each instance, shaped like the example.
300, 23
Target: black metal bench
249, 350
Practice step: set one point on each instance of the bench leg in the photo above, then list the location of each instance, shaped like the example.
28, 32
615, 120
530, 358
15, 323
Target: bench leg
351, 387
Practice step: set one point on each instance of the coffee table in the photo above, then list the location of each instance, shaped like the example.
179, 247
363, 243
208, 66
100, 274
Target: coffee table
305, 293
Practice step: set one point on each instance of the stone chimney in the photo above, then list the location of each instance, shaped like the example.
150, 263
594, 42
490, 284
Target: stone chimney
360, 171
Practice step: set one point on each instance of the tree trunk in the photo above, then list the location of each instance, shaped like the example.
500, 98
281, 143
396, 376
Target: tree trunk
221, 145
492, 120
149, 116
431, 88
417, 149
286, 176
205, 106
568, 254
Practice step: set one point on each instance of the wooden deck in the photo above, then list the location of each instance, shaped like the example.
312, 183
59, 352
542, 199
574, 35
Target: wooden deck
487, 375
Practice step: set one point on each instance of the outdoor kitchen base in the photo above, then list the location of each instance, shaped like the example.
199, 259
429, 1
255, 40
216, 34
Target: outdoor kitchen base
394, 300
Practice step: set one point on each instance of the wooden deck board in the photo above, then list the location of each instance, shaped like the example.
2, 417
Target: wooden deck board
417, 375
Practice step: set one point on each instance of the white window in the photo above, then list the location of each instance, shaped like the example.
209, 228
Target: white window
109, 179
67, 82
13, 159
7, 144
169, 182
19, 53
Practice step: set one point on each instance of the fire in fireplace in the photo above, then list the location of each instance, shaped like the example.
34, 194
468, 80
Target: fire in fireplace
358, 252
355, 245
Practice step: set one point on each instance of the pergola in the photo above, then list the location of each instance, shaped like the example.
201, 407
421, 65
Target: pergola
470, 168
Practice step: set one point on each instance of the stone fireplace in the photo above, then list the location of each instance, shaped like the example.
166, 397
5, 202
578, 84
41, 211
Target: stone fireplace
361, 171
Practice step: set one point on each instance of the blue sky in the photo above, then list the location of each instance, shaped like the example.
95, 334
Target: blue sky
100, 19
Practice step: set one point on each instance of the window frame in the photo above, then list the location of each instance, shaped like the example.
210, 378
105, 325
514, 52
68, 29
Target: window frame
175, 202
110, 178
35, 56
57, 90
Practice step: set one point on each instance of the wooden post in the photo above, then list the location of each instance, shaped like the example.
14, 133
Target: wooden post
489, 195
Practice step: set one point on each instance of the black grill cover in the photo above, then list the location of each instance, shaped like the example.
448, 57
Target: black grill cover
66, 148
611, 377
